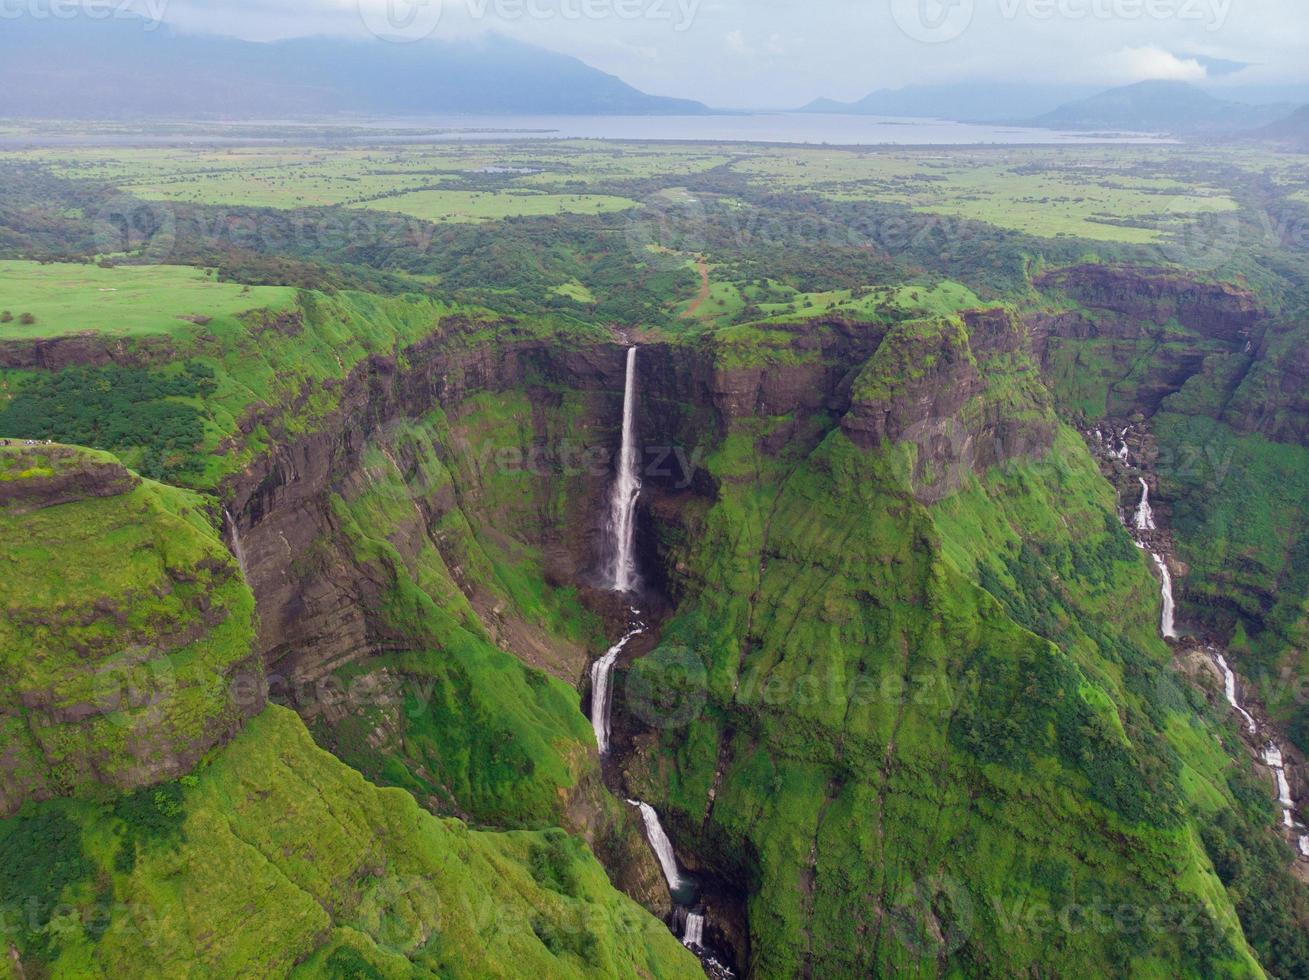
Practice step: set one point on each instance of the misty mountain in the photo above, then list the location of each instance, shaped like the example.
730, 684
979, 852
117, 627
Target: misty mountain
963, 102
1292, 132
117, 68
1159, 107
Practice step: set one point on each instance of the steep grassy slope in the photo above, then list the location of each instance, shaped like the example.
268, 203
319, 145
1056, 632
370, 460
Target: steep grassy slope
162, 834
125, 620
920, 717
275, 860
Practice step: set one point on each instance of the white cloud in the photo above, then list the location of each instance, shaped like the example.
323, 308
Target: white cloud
736, 42
1150, 63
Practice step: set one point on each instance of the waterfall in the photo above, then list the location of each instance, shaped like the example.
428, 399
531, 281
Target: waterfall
602, 695
661, 845
1144, 513
694, 932
627, 488
238, 551
1272, 756
1229, 689
1170, 607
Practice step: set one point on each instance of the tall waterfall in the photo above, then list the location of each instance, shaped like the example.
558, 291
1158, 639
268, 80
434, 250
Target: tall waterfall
238, 551
1144, 512
627, 488
1168, 623
661, 845
602, 695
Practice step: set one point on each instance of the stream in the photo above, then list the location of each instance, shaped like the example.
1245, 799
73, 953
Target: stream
1143, 523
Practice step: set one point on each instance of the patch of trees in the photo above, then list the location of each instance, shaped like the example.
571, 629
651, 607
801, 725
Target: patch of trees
117, 408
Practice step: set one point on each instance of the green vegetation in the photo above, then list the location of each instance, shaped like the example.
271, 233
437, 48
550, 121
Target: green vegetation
346, 880
125, 618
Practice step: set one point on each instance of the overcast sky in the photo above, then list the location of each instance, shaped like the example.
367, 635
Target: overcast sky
772, 53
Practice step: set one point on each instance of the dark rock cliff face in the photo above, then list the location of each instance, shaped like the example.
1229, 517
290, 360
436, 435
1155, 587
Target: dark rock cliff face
1137, 296
73, 477
83, 350
929, 386
1139, 335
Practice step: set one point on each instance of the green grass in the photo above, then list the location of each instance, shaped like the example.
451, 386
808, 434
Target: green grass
125, 616
126, 301
465, 206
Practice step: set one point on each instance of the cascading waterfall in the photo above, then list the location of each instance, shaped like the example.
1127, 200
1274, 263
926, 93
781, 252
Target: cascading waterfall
662, 846
1167, 623
1144, 512
602, 695
238, 551
1272, 756
1229, 689
626, 490
693, 935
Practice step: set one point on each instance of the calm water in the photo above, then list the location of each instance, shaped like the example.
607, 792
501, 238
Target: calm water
779, 127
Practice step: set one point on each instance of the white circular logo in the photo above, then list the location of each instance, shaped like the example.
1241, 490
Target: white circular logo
133, 683
933, 917
933, 21
1198, 239
667, 688
668, 231
944, 458
128, 225
401, 21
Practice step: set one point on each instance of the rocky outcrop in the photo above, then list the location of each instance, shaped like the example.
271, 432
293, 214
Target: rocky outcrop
36, 477
930, 383
84, 350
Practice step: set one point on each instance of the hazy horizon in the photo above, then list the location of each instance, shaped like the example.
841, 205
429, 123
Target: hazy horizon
769, 55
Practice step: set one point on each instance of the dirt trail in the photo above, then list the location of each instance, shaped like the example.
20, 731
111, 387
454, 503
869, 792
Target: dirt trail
703, 295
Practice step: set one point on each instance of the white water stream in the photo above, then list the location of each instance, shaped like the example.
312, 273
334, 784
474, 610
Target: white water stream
662, 846
1144, 512
626, 490
602, 695
238, 551
693, 934
1229, 689
1271, 754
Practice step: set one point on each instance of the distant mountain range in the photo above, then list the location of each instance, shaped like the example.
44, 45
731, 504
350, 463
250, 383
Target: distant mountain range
977, 103
117, 69
1177, 108
1161, 107
1292, 131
